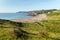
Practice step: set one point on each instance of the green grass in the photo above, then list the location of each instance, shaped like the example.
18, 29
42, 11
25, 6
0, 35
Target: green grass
45, 30
7, 34
49, 29
53, 16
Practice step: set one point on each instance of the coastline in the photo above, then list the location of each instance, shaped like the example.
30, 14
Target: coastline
32, 19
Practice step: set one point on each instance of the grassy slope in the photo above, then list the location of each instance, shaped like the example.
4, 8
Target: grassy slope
44, 30
54, 16
49, 29
6, 30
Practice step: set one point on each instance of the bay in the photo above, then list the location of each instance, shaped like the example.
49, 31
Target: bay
10, 16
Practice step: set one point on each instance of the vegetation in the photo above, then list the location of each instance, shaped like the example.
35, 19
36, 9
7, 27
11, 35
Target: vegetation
44, 30
44, 11
37, 12
54, 15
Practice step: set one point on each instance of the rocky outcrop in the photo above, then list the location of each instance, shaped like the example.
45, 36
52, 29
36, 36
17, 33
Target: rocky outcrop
32, 14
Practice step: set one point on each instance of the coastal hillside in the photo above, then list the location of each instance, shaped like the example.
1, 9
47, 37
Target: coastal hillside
45, 29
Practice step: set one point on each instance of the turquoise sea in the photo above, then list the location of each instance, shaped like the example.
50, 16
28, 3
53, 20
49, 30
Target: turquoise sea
9, 16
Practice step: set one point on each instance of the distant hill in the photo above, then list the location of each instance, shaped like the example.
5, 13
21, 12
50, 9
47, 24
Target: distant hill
22, 12
36, 12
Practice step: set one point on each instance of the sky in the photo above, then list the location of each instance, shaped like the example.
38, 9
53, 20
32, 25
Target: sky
28, 5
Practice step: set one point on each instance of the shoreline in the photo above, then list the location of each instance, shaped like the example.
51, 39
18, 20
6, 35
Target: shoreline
32, 19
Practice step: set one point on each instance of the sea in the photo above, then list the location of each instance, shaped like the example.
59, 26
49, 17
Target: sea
9, 16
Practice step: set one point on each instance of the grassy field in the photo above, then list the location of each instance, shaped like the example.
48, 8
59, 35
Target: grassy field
43, 30
7, 34
54, 16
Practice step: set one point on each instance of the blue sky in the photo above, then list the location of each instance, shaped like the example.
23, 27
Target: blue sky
27, 5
